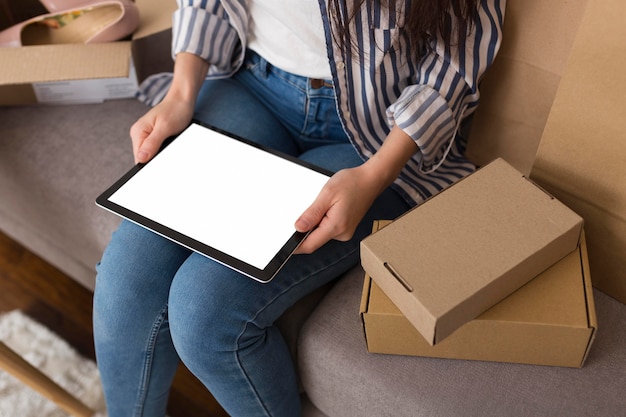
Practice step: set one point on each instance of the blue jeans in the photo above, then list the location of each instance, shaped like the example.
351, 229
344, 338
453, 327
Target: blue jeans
157, 303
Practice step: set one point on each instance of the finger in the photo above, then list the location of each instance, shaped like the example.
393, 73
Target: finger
313, 215
315, 240
148, 148
139, 131
148, 142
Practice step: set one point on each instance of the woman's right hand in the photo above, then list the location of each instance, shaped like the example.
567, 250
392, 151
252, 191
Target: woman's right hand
174, 113
165, 119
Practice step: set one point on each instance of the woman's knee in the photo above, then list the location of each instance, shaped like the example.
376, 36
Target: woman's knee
133, 250
206, 314
134, 276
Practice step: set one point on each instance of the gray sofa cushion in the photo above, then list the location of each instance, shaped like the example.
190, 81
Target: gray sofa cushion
342, 379
54, 161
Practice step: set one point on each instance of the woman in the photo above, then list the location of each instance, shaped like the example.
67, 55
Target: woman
374, 91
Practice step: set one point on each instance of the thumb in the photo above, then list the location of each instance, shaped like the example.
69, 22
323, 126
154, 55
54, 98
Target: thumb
147, 140
148, 148
312, 216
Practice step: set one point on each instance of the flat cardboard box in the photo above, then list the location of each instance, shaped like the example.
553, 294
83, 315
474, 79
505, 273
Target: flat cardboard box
549, 321
582, 156
519, 88
78, 73
464, 250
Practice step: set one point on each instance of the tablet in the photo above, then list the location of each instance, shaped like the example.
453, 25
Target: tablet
222, 196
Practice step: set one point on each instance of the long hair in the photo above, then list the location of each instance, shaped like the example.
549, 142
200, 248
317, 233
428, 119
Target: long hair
425, 21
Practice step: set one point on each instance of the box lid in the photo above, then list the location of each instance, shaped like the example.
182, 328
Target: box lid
156, 16
459, 253
557, 296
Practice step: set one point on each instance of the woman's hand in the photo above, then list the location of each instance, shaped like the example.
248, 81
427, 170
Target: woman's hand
348, 195
338, 208
174, 113
162, 121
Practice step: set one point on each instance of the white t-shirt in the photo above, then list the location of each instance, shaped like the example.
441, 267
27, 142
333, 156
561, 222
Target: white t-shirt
289, 34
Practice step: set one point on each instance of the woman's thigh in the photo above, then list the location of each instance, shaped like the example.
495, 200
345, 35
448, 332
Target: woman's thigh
333, 157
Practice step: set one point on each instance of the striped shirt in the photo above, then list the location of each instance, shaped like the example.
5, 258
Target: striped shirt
380, 86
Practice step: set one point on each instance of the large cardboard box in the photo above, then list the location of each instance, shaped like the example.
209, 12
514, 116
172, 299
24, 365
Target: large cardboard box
582, 155
549, 321
77, 73
464, 250
519, 88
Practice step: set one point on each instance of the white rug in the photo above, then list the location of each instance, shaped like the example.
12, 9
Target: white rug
54, 357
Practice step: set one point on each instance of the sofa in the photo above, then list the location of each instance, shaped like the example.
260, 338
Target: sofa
54, 161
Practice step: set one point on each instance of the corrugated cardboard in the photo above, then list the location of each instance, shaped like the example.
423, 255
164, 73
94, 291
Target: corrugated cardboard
84, 74
582, 156
464, 250
153, 38
549, 321
518, 90
77, 73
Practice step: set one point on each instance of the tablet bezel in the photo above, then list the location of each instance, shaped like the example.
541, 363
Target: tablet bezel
262, 275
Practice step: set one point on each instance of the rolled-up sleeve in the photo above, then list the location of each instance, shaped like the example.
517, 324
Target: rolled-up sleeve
202, 27
446, 86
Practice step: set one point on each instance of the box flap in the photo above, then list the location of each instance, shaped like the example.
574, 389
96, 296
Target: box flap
64, 62
590, 104
582, 156
156, 16
591, 307
467, 248
365, 295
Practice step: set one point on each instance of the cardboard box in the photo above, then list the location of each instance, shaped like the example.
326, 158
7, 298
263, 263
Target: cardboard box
464, 250
549, 321
582, 155
78, 73
519, 88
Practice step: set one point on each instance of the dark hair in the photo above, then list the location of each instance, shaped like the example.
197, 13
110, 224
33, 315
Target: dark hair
425, 20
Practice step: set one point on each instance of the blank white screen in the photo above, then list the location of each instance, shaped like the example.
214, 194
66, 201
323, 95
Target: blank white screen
231, 196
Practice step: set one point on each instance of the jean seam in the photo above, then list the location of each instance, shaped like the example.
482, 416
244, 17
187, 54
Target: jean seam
264, 73
300, 281
142, 389
295, 85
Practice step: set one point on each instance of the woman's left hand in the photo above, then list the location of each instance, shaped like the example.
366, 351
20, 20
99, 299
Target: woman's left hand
338, 209
348, 195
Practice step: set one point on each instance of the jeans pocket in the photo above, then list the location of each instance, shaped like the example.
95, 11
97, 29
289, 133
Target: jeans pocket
256, 65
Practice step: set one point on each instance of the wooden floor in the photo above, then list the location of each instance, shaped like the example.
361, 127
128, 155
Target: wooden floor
44, 293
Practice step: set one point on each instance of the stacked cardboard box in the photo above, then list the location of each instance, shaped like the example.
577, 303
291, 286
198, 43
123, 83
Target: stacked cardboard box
77, 73
549, 321
456, 257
